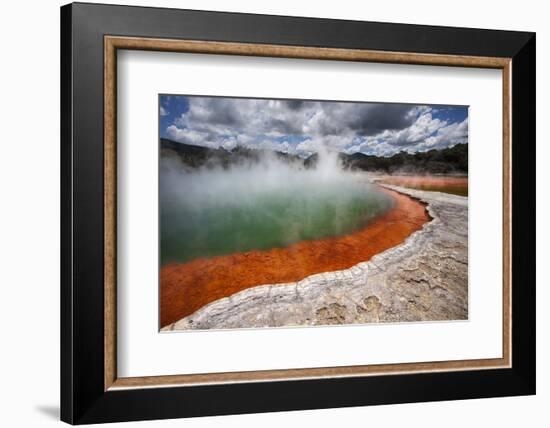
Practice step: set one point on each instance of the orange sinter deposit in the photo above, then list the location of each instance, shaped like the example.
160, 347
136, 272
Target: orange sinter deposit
186, 287
446, 184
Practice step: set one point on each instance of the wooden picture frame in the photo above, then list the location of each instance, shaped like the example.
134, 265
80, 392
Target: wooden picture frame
91, 390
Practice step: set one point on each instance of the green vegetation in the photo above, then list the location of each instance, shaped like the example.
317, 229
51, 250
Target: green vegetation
446, 161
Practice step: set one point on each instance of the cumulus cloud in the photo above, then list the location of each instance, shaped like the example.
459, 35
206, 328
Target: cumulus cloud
305, 127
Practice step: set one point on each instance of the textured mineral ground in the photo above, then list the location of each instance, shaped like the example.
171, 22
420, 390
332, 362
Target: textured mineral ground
423, 278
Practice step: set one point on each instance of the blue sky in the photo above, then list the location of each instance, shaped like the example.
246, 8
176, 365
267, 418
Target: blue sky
302, 127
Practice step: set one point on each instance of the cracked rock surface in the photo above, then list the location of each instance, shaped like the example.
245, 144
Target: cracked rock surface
423, 279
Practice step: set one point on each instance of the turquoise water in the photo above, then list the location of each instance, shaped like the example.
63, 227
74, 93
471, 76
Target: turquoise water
212, 213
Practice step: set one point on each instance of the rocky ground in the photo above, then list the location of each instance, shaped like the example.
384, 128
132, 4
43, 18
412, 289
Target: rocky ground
423, 279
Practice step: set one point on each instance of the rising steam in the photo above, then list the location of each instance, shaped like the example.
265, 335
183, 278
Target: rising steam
259, 205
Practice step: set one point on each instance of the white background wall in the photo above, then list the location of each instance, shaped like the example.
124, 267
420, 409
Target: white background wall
29, 212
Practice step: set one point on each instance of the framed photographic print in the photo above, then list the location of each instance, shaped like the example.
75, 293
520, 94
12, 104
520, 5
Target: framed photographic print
265, 213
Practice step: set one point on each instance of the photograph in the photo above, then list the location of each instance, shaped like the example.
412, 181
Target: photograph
262, 211
294, 213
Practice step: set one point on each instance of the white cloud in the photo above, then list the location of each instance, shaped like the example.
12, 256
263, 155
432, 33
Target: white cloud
448, 136
304, 127
229, 143
188, 136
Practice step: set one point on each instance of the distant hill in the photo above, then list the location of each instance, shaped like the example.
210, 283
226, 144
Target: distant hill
445, 161
197, 156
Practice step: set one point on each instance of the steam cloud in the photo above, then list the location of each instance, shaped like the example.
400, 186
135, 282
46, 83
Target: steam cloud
213, 210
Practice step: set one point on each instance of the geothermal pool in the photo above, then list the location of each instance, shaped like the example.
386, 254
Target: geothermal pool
210, 213
224, 230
